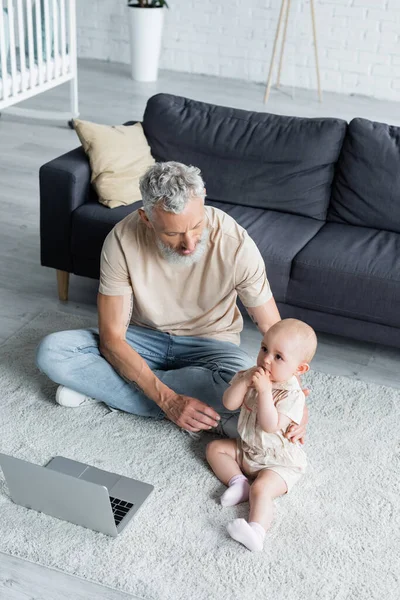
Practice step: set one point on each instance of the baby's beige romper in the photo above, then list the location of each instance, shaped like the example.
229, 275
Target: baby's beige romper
258, 449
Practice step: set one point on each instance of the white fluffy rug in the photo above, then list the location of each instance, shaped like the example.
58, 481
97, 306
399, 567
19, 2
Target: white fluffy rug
336, 537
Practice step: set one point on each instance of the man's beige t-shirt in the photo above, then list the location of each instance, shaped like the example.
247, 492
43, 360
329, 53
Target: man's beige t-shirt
192, 300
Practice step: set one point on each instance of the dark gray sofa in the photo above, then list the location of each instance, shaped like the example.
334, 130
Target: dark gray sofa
320, 197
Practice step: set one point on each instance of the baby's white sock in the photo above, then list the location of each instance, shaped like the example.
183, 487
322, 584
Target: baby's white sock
250, 535
237, 492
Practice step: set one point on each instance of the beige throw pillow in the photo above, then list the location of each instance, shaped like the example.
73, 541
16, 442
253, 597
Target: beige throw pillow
119, 156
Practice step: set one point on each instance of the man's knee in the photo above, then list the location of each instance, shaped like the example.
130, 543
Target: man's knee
54, 350
228, 371
234, 362
45, 352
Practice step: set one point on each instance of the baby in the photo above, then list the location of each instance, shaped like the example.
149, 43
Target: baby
271, 400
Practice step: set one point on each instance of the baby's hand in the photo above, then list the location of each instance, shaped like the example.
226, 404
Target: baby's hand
261, 380
249, 376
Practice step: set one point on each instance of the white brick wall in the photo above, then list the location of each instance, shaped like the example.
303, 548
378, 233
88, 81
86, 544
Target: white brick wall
358, 40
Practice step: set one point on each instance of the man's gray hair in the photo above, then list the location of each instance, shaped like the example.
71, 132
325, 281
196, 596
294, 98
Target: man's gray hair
170, 184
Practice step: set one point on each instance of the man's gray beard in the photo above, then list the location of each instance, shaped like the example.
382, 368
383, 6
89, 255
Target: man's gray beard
173, 257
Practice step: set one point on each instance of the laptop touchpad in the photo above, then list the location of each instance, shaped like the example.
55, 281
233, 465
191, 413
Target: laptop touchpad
100, 477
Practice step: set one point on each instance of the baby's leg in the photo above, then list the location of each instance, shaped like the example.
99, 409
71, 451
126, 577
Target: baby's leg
221, 456
267, 486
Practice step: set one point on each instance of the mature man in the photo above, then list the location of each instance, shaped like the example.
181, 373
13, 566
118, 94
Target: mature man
169, 326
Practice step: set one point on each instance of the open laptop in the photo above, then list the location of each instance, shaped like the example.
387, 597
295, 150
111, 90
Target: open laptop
75, 492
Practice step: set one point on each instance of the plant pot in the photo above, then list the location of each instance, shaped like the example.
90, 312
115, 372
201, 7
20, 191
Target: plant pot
145, 28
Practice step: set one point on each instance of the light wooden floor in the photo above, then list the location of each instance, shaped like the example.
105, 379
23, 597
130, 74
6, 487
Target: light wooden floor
107, 95
23, 580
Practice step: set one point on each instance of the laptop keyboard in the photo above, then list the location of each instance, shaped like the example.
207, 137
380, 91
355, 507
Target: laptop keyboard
120, 508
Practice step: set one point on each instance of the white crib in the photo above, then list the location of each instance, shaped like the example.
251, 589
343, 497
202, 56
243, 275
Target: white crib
37, 53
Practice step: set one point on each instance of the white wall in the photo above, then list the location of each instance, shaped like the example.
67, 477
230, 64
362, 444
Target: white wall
359, 40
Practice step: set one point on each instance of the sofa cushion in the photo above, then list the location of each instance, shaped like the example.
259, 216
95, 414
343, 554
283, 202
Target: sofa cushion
350, 271
91, 223
279, 237
118, 157
366, 189
248, 158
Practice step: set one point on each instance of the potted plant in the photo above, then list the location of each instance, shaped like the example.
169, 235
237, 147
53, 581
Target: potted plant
146, 19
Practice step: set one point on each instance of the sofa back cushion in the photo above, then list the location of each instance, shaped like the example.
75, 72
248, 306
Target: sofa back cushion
366, 190
249, 158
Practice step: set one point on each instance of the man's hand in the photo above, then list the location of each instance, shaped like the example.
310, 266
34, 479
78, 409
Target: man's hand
296, 433
261, 380
190, 414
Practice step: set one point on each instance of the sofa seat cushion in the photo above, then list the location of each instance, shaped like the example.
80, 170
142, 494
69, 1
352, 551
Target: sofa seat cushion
91, 223
349, 271
366, 190
279, 237
254, 159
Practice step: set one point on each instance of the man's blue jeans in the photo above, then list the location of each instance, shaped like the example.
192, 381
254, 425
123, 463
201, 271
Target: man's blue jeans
194, 366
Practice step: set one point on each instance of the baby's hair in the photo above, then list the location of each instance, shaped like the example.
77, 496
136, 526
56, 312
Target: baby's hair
302, 333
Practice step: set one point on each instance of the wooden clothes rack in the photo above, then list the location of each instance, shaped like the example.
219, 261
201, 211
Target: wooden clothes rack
284, 15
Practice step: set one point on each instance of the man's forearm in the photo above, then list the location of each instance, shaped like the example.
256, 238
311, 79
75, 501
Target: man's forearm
132, 367
264, 316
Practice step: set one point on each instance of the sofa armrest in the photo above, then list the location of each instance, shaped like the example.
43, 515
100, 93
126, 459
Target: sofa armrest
64, 185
